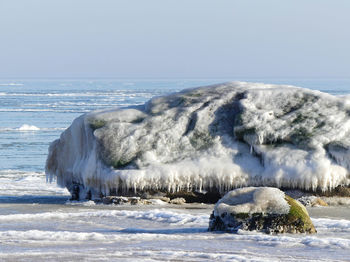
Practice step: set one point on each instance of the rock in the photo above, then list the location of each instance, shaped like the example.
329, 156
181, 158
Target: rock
312, 201
152, 194
262, 209
134, 200
157, 196
164, 199
107, 200
121, 200
319, 202
117, 200
178, 201
339, 191
196, 197
75, 190
208, 139
146, 202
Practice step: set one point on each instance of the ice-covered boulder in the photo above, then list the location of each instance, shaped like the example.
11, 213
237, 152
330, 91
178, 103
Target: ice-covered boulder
312, 201
263, 209
213, 138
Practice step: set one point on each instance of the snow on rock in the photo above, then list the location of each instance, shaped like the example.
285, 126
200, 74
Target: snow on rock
209, 138
251, 200
263, 209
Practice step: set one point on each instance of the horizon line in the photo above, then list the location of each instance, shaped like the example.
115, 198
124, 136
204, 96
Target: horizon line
168, 78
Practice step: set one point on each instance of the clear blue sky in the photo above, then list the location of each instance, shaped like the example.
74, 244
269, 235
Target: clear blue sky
180, 38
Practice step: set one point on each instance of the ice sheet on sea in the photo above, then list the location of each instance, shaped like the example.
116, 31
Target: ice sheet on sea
163, 234
222, 136
55, 237
324, 224
158, 215
20, 183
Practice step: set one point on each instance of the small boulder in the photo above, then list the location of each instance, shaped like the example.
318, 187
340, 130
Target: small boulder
178, 201
312, 201
264, 209
117, 200
134, 200
196, 197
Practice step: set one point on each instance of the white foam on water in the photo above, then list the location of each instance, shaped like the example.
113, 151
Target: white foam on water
119, 93
31, 128
11, 84
26, 127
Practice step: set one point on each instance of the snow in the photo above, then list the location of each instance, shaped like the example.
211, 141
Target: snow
218, 137
251, 200
115, 233
158, 215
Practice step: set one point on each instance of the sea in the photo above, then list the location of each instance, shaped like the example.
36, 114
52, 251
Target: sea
38, 222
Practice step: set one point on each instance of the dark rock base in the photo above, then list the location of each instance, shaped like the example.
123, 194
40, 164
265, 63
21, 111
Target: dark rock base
270, 224
78, 192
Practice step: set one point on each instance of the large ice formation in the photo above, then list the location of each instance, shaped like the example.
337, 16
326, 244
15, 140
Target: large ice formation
209, 138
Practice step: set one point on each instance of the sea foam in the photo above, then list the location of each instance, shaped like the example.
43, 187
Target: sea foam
209, 138
26, 127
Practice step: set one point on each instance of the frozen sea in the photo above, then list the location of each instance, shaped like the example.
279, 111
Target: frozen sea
38, 223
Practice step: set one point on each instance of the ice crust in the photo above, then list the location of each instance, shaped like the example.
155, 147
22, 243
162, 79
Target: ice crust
250, 200
45, 232
216, 137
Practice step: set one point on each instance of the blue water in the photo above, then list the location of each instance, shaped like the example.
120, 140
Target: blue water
52, 104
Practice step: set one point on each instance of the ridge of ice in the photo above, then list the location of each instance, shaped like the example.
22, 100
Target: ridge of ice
217, 137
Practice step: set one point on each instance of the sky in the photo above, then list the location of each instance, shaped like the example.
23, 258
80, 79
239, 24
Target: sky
175, 39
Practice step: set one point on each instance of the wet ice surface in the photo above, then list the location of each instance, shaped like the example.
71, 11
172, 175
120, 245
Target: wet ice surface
71, 230
38, 223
